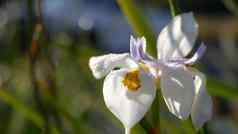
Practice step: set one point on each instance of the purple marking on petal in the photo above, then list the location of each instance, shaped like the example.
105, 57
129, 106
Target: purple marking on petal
177, 61
198, 55
142, 52
133, 48
137, 49
138, 44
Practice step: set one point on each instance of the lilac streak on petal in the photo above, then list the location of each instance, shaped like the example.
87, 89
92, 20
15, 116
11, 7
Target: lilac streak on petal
139, 44
133, 48
142, 53
138, 49
198, 54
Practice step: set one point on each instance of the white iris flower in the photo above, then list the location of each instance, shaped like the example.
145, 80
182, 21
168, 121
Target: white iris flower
130, 90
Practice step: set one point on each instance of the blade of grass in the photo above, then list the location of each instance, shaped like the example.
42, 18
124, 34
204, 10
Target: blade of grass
18, 105
174, 9
16, 124
231, 5
188, 126
169, 127
138, 130
155, 111
138, 23
201, 131
220, 89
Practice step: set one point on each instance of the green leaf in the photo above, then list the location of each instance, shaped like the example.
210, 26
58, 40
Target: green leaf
155, 109
18, 105
231, 5
219, 88
138, 23
188, 126
174, 9
138, 130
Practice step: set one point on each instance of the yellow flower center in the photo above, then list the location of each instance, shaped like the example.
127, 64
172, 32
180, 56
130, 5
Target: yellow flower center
132, 80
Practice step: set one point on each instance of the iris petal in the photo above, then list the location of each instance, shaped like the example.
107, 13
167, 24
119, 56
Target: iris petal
202, 104
128, 106
177, 39
178, 90
102, 65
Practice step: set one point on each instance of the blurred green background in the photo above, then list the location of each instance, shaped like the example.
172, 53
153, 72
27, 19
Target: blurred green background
45, 82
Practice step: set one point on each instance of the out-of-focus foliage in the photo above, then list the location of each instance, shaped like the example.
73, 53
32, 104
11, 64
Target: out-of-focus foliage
86, 28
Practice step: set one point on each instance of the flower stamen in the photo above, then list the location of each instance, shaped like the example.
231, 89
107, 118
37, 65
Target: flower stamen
132, 80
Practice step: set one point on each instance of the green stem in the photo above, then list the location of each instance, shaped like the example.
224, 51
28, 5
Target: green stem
155, 109
201, 131
188, 126
138, 23
138, 129
219, 88
174, 9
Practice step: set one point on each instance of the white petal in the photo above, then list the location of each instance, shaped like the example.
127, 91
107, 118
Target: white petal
178, 90
202, 104
177, 39
128, 106
102, 65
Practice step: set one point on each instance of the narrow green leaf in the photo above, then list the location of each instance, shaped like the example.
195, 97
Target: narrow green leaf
138, 130
201, 131
188, 126
231, 5
218, 88
138, 23
169, 127
18, 105
174, 8
156, 110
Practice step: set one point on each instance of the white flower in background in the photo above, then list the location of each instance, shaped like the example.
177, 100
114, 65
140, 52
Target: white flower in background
130, 90
183, 87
